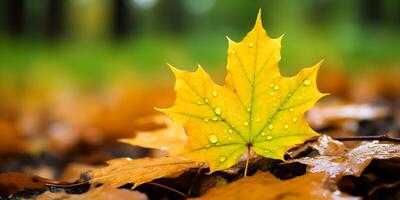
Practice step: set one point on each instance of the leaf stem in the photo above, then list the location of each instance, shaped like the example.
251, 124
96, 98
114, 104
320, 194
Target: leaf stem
362, 137
168, 188
373, 137
247, 161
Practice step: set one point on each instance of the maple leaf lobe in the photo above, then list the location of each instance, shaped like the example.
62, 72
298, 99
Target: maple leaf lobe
256, 107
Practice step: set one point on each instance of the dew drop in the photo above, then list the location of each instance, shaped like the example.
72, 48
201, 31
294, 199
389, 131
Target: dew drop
263, 133
251, 44
291, 109
215, 118
271, 93
196, 84
230, 130
229, 138
294, 120
217, 110
214, 93
213, 138
269, 137
206, 119
199, 102
248, 109
271, 85
271, 126
286, 126
289, 94
208, 146
258, 120
276, 87
245, 123
306, 82
222, 158
233, 52
206, 100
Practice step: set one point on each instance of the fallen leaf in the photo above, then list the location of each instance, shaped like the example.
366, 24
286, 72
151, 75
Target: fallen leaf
138, 171
257, 107
325, 145
265, 186
100, 193
13, 182
171, 139
352, 162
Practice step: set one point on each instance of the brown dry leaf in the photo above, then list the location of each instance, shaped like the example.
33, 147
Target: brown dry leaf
172, 138
138, 171
13, 182
266, 186
325, 145
100, 193
352, 162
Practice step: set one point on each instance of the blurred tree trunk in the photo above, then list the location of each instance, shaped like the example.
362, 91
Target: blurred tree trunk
55, 18
14, 16
171, 15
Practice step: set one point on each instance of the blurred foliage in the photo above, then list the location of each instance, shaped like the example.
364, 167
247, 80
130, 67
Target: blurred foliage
89, 39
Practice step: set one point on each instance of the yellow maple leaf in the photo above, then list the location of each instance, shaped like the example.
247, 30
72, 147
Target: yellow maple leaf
138, 171
257, 108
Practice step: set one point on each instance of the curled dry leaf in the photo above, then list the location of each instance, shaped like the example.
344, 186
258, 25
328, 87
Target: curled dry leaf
325, 145
266, 186
352, 162
138, 171
100, 193
172, 138
257, 108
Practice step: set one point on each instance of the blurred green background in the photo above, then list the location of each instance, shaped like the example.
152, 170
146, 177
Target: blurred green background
94, 41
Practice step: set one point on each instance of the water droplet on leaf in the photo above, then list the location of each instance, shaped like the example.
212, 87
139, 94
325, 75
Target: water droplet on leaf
213, 138
306, 82
214, 93
217, 110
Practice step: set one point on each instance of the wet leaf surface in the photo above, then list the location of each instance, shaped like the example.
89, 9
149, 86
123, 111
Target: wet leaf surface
138, 171
266, 186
